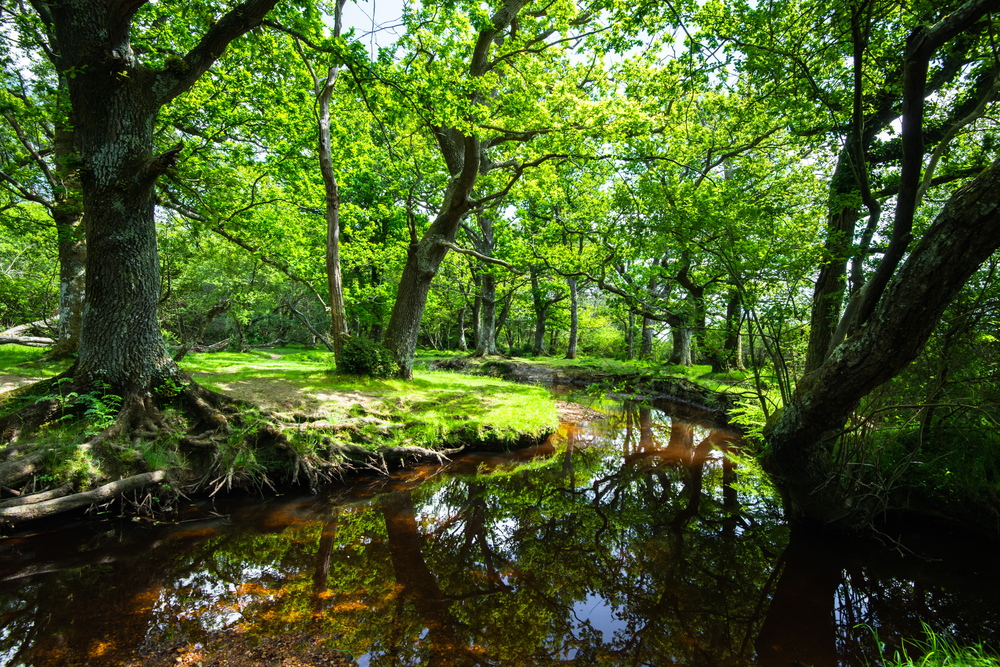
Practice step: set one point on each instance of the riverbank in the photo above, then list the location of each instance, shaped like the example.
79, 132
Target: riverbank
706, 402
298, 424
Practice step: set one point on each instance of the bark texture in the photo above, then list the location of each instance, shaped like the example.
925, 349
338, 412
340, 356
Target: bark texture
115, 101
68, 216
574, 319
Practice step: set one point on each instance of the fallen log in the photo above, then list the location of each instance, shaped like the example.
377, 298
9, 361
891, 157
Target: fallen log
101, 494
36, 498
18, 468
29, 341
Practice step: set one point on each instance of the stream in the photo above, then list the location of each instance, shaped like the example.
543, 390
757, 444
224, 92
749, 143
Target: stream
634, 540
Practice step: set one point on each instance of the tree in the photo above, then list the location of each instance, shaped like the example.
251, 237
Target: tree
39, 167
115, 98
947, 50
480, 112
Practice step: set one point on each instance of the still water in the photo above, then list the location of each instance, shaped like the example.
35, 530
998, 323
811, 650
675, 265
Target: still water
629, 541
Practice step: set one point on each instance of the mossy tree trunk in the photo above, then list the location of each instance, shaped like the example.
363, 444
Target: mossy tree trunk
115, 101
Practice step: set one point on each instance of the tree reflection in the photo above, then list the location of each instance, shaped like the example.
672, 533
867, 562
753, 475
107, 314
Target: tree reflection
632, 544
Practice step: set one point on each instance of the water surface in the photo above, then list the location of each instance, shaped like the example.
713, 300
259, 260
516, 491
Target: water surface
631, 541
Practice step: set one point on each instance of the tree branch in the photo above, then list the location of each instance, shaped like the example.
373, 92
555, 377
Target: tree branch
235, 23
481, 257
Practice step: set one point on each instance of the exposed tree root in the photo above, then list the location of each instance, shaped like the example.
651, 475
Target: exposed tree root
205, 442
379, 459
16, 469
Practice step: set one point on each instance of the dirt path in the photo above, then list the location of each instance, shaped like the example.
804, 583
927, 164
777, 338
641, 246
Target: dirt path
8, 382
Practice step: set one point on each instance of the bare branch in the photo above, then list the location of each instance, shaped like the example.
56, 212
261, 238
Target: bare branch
481, 257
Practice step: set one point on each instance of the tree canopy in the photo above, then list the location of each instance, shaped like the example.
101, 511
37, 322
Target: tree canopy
804, 189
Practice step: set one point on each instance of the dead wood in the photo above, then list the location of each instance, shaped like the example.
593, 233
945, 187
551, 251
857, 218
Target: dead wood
17, 469
28, 341
101, 494
35, 498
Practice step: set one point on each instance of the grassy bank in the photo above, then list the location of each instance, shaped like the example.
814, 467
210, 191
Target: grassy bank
940, 651
298, 422
435, 410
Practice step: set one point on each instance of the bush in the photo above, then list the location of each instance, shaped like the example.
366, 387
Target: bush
363, 356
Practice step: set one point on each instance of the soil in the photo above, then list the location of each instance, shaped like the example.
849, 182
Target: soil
8, 382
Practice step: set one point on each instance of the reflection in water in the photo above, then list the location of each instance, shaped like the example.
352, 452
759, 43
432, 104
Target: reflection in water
625, 542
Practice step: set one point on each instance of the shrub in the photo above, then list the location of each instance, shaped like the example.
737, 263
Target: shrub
363, 356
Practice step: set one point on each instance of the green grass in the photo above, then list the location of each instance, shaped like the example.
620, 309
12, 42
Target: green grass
24, 361
436, 407
940, 651
453, 406
275, 360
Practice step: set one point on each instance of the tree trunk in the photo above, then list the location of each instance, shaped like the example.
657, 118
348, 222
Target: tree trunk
730, 354
828, 294
574, 319
114, 102
465, 157
477, 306
462, 344
68, 214
964, 235
334, 281
540, 309
646, 348
486, 344
538, 346
120, 341
630, 336
338, 322
680, 355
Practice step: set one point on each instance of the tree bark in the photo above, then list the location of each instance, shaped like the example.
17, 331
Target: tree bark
680, 355
646, 347
541, 314
486, 344
115, 101
324, 89
67, 215
828, 294
574, 319
462, 344
630, 335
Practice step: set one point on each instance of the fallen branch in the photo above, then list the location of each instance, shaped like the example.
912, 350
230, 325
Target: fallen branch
36, 498
21, 329
28, 341
101, 494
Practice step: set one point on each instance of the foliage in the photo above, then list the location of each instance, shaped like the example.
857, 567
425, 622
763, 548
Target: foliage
363, 356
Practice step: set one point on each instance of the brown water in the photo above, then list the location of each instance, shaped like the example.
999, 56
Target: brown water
625, 542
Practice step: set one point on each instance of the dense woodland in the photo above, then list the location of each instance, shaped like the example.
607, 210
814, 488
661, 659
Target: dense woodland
803, 194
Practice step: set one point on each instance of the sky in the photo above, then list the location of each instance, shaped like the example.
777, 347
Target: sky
376, 22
